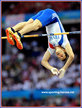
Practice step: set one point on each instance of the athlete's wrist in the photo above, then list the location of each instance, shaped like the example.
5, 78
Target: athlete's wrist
64, 67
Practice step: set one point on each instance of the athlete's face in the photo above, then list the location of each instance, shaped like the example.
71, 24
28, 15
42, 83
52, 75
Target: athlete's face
60, 52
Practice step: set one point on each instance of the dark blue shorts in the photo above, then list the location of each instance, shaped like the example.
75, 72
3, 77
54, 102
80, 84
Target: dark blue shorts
46, 16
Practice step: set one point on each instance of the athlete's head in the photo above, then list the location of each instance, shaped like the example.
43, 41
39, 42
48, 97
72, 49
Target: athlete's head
60, 52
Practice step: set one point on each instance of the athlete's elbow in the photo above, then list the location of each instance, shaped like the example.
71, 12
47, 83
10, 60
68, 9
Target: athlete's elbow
72, 56
43, 62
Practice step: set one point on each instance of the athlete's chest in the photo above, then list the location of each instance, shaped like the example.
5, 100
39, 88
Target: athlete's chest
54, 40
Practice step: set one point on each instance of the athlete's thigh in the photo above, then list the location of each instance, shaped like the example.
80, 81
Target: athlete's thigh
37, 15
46, 17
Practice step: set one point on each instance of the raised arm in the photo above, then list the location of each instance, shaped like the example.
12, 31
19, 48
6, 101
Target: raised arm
46, 64
70, 53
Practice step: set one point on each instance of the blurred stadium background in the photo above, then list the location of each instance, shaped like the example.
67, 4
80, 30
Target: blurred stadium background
23, 77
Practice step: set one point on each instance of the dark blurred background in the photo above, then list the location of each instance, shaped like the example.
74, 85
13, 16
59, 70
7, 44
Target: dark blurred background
23, 77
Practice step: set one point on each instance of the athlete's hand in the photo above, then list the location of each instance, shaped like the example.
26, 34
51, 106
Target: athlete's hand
61, 72
54, 71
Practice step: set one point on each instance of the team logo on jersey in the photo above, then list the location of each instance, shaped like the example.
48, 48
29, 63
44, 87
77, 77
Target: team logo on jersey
52, 37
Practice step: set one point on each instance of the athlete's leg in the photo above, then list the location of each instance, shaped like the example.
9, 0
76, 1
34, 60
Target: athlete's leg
20, 25
27, 28
31, 27
11, 31
41, 19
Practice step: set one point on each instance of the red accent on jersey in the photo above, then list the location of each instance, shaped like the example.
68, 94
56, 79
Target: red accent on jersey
51, 46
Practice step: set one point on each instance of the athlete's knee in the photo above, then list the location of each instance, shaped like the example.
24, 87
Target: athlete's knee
30, 21
36, 25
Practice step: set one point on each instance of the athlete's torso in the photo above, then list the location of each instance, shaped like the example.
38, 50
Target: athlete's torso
50, 19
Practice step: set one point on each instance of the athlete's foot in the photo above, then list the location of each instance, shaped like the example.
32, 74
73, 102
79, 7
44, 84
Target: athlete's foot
9, 34
18, 40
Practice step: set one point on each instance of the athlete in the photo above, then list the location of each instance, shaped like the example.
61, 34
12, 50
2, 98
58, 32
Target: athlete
57, 43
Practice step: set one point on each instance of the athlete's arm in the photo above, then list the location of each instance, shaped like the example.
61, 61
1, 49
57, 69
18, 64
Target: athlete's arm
70, 53
46, 64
